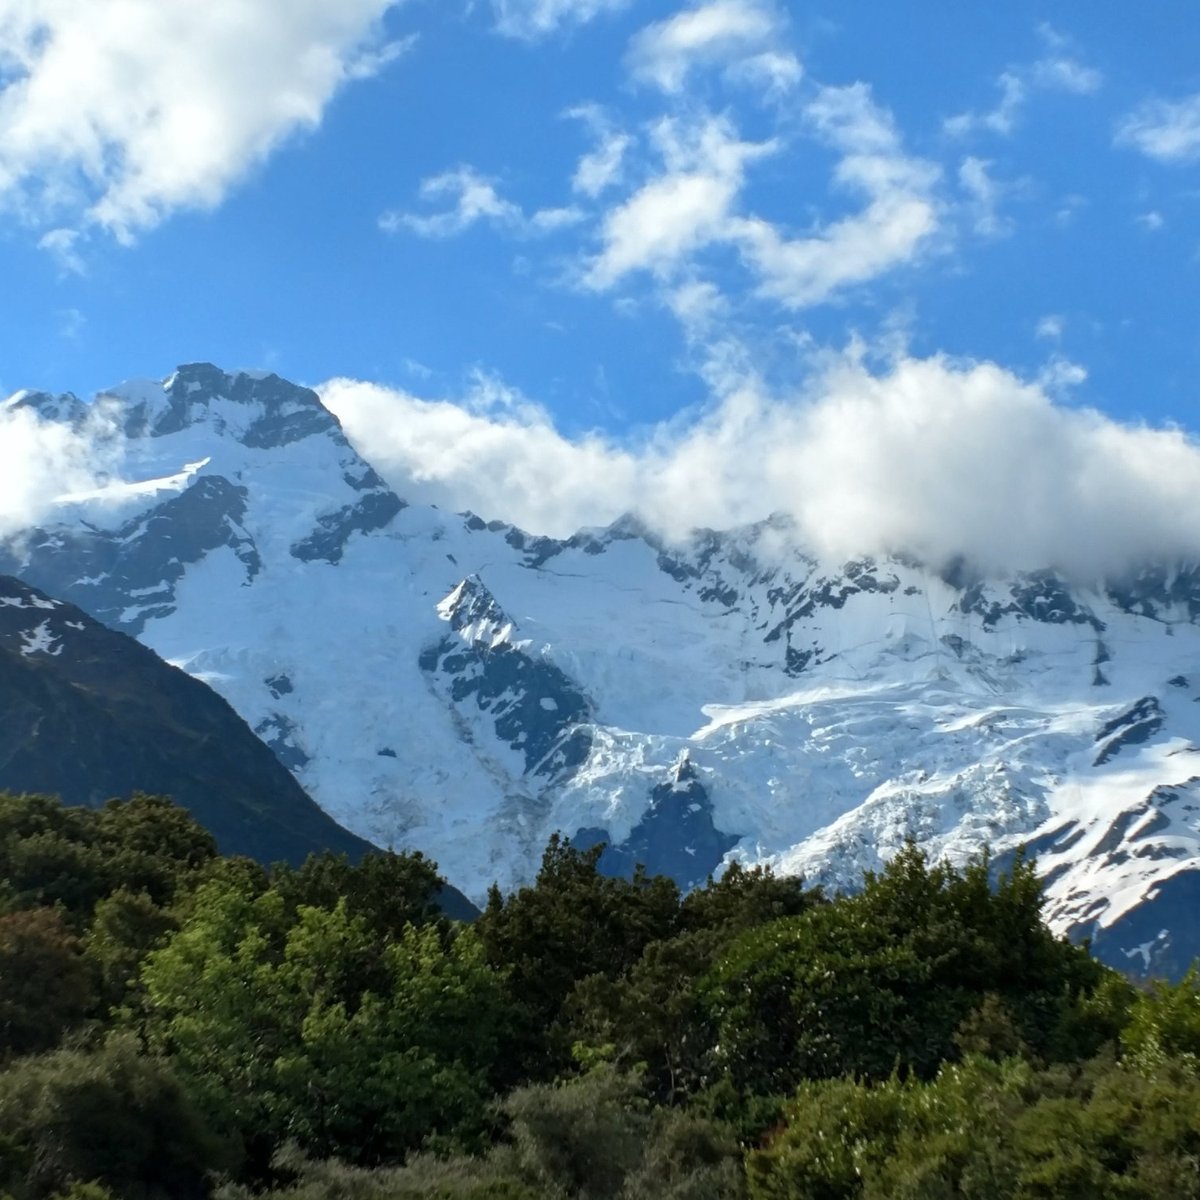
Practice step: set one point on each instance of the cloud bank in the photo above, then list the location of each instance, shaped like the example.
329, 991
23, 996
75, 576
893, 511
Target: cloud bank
113, 113
42, 460
933, 457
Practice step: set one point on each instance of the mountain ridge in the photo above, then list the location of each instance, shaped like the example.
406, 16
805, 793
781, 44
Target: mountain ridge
461, 686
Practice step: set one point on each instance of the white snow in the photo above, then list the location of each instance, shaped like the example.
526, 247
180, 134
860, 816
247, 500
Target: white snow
910, 718
40, 641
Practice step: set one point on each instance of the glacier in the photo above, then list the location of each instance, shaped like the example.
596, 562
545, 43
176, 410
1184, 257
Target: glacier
449, 683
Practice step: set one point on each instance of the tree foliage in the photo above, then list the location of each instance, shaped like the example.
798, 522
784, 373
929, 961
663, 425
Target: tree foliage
325, 1032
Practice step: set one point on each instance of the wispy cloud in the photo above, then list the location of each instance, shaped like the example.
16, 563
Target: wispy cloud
985, 195
530, 20
63, 246
1165, 130
71, 324
1051, 327
474, 199
603, 166
1058, 70
1002, 119
693, 201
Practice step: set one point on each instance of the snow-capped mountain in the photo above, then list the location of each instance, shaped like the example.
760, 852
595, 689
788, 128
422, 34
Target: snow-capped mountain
459, 686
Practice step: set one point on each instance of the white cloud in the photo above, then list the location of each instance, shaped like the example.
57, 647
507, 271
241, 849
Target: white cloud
533, 19
1066, 75
474, 199
985, 194
721, 32
43, 460
1166, 130
679, 212
603, 167
492, 453
899, 220
71, 324
1057, 71
1051, 327
775, 72
1151, 221
930, 456
693, 204
62, 246
1001, 119
118, 112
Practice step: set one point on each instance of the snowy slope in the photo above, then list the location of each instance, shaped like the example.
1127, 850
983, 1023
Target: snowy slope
463, 687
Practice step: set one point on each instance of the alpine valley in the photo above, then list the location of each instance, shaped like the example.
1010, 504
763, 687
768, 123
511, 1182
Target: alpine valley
443, 682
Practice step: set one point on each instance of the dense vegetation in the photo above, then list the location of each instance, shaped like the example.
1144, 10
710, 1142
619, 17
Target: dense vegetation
178, 1024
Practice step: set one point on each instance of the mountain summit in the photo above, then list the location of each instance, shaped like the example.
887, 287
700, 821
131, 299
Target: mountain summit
456, 685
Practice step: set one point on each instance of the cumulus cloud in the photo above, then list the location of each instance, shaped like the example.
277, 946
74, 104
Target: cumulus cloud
493, 453
688, 206
933, 457
1166, 130
721, 32
533, 19
114, 113
41, 461
474, 199
693, 202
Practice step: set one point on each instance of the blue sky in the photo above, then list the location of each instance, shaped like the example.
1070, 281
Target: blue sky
599, 218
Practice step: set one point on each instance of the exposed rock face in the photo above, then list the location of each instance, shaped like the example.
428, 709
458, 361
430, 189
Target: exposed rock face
463, 687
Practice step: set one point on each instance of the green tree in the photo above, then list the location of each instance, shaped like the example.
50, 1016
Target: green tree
46, 987
389, 891
111, 1117
1164, 1022
884, 979
152, 845
653, 1015
307, 1026
573, 922
125, 927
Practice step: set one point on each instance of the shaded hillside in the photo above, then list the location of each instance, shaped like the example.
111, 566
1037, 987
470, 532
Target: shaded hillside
88, 714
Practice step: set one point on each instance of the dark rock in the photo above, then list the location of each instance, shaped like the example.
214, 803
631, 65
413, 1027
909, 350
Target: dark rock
334, 530
1131, 728
675, 837
101, 570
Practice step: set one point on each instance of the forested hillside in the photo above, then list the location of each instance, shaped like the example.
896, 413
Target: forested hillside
175, 1023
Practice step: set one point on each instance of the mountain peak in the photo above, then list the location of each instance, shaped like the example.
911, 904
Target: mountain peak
262, 411
474, 613
66, 409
